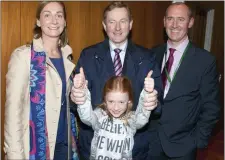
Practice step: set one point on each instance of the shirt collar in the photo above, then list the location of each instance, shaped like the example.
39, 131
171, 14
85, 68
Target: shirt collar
39, 47
123, 47
181, 47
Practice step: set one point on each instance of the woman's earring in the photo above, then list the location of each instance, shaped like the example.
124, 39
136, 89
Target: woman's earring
38, 23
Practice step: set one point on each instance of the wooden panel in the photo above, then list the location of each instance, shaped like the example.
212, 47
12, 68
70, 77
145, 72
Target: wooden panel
76, 24
154, 33
150, 20
138, 13
28, 19
84, 24
200, 15
10, 35
96, 17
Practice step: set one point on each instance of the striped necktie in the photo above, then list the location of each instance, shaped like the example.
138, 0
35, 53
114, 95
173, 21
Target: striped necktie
117, 62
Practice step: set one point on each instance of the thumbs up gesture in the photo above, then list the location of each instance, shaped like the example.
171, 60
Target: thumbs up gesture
79, 80
149, 83
78, 95
150, 99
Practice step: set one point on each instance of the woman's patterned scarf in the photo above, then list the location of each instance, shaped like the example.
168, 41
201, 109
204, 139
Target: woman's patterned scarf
39, 149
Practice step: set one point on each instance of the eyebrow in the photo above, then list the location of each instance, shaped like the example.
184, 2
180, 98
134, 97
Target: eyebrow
56, 12
174, 17
111, 19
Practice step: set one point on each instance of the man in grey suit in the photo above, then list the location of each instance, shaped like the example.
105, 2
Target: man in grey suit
191, 91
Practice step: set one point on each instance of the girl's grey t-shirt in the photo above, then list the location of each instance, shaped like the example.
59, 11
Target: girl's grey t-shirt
113, 139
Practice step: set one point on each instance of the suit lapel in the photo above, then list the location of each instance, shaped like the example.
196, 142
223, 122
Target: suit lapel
181, 74
130, 66
104, 61
159, 55
104, 64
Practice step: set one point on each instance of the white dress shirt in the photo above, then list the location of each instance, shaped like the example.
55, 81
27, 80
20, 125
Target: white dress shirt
123, 48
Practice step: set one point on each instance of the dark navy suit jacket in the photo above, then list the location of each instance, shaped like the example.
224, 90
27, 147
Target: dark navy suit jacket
191, 106
98, 68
